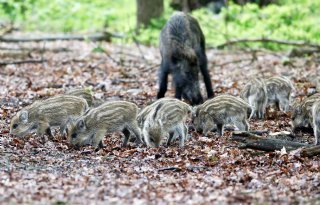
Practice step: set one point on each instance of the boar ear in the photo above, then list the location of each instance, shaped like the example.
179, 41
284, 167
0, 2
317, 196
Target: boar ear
24, 116
80, 124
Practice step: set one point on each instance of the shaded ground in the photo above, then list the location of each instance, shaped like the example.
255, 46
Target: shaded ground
207, 170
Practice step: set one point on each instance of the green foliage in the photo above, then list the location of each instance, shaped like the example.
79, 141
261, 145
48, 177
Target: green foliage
289, 20
12, 9
295, 21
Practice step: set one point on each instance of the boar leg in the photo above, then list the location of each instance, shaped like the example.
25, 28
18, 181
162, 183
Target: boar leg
63, 129
134, 128
186, 129
163, 79
49, 133
126, 134
178, 94
316, 129
220, 129
97, 139
44, 128
205, 73
171, 134
317, 136
181, 132
260, 111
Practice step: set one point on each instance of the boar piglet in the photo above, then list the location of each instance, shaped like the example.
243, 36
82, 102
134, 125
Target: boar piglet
219, 111
182, 48
146, 110
255, 93
302, 112
90, 129
164, 119
279, 89
41, 115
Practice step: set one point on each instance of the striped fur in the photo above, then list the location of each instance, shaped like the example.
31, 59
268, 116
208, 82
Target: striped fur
166, 117
41, 115
145, 111
316, 121
107, 118
279, 89
255, 93
302, 112
221, 110
85, 93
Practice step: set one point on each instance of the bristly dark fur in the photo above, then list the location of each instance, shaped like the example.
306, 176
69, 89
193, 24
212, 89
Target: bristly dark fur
182, 48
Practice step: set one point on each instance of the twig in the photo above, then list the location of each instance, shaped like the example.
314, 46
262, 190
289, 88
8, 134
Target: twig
268, 40
233, 62
150, 68
177, 169
138, 45
106, 36
35, 49
126, 80
22, 62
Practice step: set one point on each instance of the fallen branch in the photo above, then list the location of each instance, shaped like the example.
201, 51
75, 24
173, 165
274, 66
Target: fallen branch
177, 169
253, 141
55, 50
303, 52
268, 40
106, 36
233, 62
22, 62
310, 151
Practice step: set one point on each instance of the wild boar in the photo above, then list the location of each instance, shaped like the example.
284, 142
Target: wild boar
255, 93
279, 89
166, 118
182, 48
302, 112
146, 110
41, 115
90, 129
221, 110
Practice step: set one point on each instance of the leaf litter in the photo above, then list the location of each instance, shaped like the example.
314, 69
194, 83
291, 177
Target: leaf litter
208, 170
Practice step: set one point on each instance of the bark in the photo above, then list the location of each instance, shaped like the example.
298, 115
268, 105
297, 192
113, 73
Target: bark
148, 9
310, 151
253, 141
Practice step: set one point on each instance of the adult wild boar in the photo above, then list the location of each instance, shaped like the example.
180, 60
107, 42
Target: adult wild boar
182, 48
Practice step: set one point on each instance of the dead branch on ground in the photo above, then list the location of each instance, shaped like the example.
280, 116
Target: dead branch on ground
268, 40
22, 62
105, 36
252, 141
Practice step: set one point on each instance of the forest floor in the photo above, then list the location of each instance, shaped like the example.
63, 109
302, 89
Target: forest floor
208, 170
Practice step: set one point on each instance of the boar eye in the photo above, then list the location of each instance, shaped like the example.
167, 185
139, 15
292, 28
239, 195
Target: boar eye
15, 126
152, 140
74, 135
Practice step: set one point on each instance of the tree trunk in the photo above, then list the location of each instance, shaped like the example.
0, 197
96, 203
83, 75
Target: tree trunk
148, 9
